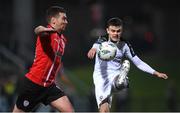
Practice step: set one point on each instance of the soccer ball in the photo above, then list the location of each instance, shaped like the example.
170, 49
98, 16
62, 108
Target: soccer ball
107, 51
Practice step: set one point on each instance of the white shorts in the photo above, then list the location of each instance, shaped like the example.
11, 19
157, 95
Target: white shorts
103, 86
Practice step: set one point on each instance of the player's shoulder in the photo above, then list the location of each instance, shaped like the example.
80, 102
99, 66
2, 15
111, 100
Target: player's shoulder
122, 43
125, 42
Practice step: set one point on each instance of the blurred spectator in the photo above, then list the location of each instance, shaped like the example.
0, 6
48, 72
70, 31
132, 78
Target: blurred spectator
3, 100
9, 89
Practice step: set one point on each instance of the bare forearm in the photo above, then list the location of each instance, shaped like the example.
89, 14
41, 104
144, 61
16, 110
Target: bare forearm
43, 30
38, 30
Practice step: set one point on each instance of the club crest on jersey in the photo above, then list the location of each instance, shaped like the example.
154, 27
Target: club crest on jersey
25, 103
100, 98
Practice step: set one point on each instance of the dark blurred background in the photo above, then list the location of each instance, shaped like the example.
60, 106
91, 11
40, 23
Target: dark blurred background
152, 27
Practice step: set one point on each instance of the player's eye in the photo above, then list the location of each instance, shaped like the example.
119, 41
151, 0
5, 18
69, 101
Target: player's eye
118, 31
112, 30
64, 18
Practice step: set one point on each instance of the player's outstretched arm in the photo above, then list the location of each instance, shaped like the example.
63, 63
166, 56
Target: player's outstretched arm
160, 75
91, 53
41, 29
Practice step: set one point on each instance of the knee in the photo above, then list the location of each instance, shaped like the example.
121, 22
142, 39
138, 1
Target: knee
104, 108
16, 109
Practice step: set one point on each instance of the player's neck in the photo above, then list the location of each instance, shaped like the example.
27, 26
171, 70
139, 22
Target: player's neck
53, 26
114, 41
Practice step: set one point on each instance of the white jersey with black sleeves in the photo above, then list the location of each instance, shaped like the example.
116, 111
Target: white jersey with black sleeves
105, 72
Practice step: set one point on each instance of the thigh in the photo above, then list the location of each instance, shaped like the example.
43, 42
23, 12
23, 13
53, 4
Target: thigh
57, 98
16, 110
103, 86
104, 107
103, 93
52, 93
62, 104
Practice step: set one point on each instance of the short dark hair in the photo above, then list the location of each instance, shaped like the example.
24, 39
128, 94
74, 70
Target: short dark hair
114, 22
53, 11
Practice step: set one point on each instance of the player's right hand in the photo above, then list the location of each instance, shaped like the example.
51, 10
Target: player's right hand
91, 53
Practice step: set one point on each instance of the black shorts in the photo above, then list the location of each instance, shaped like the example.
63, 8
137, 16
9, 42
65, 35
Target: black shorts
32, 94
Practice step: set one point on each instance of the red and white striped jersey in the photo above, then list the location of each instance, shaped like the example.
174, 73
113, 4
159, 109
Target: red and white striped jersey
47, 62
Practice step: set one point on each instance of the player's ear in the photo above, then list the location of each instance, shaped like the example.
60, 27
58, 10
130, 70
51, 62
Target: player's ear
53, 20
107, 30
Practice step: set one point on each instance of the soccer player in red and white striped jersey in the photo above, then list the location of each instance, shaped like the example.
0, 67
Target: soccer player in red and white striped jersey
39, 85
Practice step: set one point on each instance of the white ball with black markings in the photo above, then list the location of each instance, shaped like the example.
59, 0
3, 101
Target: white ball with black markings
107, 51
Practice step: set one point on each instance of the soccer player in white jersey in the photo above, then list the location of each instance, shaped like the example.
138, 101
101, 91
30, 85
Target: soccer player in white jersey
110, 75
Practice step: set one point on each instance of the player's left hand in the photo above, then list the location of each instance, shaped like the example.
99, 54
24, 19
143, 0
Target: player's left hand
161, 75
41, 29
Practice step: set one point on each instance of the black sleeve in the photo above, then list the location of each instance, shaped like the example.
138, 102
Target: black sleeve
129, 45
101, 39
131, 49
